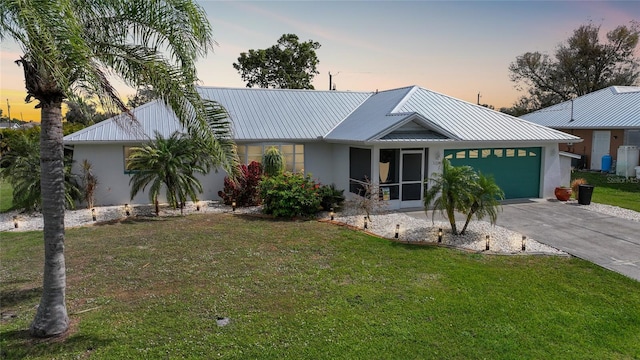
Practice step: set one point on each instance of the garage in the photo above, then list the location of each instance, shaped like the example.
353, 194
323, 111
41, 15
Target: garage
516, 170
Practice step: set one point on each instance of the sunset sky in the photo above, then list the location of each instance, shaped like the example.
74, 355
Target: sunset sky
459, 48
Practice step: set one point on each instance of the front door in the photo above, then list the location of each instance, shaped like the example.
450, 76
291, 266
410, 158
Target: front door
411, 178
599, 148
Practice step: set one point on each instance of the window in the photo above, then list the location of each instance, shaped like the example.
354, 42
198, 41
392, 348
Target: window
254, 153
126, 151
292, 154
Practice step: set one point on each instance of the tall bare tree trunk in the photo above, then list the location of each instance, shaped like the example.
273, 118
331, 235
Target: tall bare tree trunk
51, 318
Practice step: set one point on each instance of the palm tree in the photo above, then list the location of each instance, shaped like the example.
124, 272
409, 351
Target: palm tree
21, 167
452, 190
76, 47
171, 162
486, 200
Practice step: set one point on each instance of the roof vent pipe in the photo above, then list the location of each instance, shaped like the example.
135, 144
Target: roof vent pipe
571, 111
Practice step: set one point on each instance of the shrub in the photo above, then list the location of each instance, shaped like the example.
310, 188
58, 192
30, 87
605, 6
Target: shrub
330, 197
575, 186
272, 162
245, 190
89, 183
21, 168
289, 195
369, 200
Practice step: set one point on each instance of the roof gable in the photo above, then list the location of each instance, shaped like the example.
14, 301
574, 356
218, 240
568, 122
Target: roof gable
608, 108
470, 122
148, 119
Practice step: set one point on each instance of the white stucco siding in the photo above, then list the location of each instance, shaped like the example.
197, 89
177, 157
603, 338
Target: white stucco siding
108, 166
113, 182
320, 162
211, 184
551, 175
340, 167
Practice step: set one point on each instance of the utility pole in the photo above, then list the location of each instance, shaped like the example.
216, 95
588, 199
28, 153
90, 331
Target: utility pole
8, 110
478, 98
331, 85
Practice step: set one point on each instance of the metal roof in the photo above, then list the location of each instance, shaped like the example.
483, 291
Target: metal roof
259, 114
371, 118
256, 114
149, 118
615, 107
408, 114
471, 122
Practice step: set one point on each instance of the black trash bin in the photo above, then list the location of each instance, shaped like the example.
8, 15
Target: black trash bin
584, 194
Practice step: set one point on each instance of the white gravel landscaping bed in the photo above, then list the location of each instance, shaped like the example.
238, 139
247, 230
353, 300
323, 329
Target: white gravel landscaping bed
501, 241
414, 230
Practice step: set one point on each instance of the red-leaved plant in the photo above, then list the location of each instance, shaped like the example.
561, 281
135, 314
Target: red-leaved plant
245, 190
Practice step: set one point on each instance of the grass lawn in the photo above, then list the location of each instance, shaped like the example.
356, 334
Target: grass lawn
612, 190
6, 196
154, 288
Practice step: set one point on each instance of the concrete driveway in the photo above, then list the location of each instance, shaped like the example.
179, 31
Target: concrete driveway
608, 241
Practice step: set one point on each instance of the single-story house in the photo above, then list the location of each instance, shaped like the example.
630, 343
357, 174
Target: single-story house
606, 119
9, 125
395, 138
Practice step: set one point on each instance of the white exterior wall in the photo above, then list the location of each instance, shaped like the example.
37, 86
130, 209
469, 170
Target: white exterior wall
565, 171
340, 167
551, 175
320, 162
113, 183
108, 166
328, 163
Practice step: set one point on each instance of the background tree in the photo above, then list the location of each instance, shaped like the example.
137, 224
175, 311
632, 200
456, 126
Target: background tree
73, 48
83, 111
143, 95
581, 65
289, 64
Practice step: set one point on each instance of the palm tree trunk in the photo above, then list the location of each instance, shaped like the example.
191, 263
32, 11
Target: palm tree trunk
451, 214
466, 223
51, 318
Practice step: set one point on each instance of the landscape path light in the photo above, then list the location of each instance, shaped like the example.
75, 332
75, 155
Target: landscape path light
233, 205
397, 231
332, 214
15, 222
487, 243
524, 243
440, 235
366, 225
93, 214
127, 210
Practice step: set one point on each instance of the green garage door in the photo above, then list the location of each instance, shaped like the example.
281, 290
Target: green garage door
516, 170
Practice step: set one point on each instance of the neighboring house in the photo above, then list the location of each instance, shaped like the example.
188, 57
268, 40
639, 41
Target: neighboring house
606, 119
9, 125
396, 138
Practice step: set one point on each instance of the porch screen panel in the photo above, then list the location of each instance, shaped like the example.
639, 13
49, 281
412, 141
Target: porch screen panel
359, 169
411, 176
